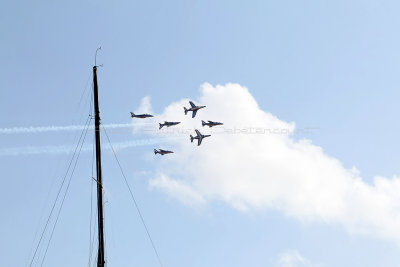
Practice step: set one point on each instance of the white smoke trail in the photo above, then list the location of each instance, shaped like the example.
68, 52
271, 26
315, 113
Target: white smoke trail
66, 149
42, 129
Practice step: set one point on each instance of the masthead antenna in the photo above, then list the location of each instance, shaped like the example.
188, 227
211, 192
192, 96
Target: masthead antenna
95, 56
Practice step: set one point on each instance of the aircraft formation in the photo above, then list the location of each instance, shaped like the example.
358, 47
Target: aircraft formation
199, 137
211, 123
193, 108
168, 123
141, 116
162, 151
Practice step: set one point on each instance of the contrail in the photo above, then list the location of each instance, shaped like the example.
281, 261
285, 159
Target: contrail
43, 129
66, 149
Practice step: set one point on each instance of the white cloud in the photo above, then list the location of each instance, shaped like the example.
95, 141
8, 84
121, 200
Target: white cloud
266, 168
179, 190
292, 258
145, 106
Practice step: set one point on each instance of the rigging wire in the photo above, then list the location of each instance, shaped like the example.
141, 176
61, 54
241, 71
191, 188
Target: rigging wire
84, 91
91, 252
91, 206
66, 173
91, 186
133, 199
58, 193
65, 193
93, 238
43, 213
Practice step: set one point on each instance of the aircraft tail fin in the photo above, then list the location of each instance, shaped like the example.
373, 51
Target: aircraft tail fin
155, 151
161, 125
191, 138
186, 111
132, 114
203, 123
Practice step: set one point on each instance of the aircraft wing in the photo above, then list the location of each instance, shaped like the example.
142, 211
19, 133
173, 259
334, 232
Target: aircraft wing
198, 133
192, 104
194, 113
199, 141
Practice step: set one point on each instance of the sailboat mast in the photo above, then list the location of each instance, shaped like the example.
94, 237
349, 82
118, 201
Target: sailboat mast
100, 216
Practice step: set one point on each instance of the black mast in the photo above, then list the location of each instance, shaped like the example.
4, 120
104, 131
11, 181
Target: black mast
100, 216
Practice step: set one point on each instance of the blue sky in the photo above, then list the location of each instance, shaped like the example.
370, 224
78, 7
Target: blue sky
328, 65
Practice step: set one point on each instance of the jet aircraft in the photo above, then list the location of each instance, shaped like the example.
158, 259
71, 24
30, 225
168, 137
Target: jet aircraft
211, 123
162, 152
168, 123
193, 108
199, 137
140, 116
